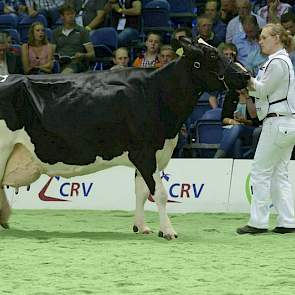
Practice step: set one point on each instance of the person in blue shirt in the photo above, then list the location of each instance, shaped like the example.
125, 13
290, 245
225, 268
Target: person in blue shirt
249, 54
218, 27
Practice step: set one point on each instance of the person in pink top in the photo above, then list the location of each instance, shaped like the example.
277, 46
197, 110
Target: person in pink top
37, 54
273, 11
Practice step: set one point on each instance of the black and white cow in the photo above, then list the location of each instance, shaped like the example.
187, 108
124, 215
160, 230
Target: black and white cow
82, 123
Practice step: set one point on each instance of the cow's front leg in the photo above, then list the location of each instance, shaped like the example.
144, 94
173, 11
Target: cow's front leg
160, 197
5, 210
141, 192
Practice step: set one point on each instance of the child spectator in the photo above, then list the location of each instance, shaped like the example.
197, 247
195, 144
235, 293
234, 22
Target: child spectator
37, 54
150, 58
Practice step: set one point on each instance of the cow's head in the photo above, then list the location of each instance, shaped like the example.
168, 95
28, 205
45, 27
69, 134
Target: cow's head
214, 71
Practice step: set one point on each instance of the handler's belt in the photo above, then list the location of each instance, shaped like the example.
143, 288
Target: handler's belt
270, 115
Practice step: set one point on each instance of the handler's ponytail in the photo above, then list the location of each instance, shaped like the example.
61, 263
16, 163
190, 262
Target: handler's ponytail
285, 37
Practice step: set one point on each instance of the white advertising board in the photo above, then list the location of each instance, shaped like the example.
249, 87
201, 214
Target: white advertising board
193, 185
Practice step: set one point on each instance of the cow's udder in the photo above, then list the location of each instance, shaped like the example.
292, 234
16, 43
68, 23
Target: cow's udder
21, 168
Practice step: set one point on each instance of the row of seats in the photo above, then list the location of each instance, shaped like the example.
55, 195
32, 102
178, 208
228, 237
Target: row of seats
18, 26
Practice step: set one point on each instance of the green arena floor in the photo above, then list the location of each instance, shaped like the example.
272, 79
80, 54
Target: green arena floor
96, 252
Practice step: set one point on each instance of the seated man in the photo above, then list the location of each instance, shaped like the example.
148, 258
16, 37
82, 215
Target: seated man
90, 14
126, 18
120, 58
9, 62
204, 30
167, 54
73, 41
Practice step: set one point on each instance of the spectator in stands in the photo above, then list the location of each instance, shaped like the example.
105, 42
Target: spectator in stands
205, 31
218, 27
249, 53
120, 58
239, 120
166, 55
288, 22
49, 8
9, 6
228, 10
230, 51
90, 14
182, 32
14, 49
235, 25
126, 18
37, 54
150, 58
273, 11
73, 41
9, 62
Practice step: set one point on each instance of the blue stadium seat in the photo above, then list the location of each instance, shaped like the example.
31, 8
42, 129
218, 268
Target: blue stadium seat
105, 41
208, 137
197, 113
1, 7
9, 21
214, 114
156, 18
48, 33
182, 12
158, 4
25, 24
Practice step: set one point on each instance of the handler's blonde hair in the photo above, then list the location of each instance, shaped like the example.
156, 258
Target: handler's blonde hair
285, 38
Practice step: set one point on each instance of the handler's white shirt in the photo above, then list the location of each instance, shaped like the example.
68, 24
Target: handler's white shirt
272, 83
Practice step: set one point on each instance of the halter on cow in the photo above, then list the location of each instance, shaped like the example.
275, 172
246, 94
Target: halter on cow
82, 123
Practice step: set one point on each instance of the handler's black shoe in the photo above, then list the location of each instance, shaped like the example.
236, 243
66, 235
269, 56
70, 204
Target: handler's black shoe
247, 229
283, 230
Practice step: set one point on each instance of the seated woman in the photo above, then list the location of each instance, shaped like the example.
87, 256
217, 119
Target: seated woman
37, 54
239, 119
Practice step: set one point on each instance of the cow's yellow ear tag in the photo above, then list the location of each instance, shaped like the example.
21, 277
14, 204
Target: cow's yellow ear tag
179, 51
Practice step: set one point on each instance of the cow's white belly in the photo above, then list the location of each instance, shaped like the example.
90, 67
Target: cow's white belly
24, 167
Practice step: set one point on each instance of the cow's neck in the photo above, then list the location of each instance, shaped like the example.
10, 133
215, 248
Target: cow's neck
177, 95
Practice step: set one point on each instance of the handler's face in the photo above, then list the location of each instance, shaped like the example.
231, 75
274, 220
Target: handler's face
268, 42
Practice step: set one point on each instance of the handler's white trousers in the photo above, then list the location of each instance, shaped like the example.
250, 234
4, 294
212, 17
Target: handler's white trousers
269, 174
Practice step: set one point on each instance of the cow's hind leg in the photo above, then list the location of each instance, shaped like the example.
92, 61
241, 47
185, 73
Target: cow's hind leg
141, 192
5, 210
4, 205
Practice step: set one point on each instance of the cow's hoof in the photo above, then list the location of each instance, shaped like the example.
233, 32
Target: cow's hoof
5, 225
167, 236
145, 230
